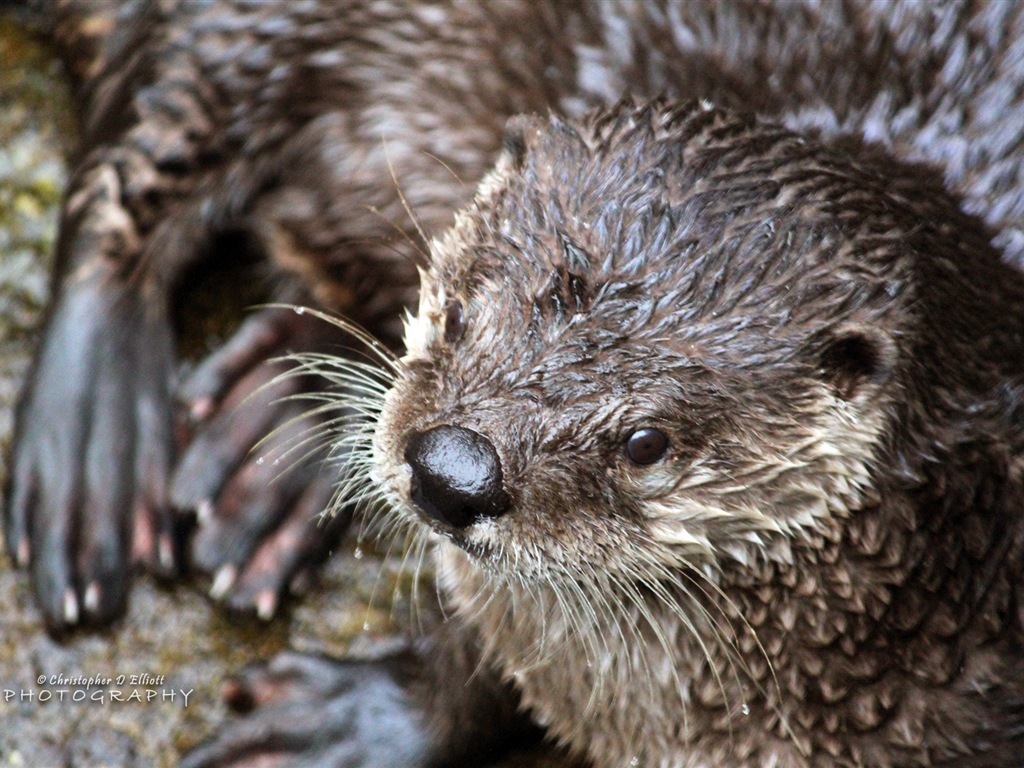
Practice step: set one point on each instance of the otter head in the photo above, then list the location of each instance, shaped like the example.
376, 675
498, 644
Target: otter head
661, 337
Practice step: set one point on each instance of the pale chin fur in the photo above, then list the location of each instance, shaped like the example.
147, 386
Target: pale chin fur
528, 626
834, 471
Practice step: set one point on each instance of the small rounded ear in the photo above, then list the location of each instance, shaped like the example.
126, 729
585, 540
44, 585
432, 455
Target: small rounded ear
518, 130
855, 357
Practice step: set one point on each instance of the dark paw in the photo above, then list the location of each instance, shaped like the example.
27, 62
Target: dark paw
302, 710
86, 495
254, 471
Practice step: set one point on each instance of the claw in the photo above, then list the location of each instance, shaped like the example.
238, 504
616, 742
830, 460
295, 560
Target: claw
70, 607
204, 511
23, 553
200, 410
165, 551
92, 598
266, 604
223, 581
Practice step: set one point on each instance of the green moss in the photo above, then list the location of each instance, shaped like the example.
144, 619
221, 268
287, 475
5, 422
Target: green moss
35, 121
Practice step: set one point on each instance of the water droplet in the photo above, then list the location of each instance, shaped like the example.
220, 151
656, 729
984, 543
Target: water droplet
300, 310
259, 460
358, 553
366, 626
745, 709
635, 761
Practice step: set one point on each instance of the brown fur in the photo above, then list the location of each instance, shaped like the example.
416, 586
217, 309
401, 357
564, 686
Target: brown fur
822, 569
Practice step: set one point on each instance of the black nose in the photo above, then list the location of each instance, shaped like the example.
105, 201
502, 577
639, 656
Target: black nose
456, 475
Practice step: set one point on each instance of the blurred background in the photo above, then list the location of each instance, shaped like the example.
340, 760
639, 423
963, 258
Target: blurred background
169, 631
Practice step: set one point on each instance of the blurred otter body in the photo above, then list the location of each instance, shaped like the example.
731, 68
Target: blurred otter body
248, 100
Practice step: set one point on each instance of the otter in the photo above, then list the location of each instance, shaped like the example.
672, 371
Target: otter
742, 485
727, 496
715, 417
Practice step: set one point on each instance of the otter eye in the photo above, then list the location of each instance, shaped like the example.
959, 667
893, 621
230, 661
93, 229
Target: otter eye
454, 322
646, 446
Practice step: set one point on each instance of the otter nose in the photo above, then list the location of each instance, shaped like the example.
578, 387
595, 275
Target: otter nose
456, 475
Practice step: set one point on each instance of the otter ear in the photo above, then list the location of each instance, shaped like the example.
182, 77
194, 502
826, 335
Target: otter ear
855, 357
518, 131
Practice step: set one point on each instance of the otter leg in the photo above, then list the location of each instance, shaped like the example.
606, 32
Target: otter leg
91, 456
254, 471
434, 706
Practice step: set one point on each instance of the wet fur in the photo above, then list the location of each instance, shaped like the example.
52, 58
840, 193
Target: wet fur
844, 484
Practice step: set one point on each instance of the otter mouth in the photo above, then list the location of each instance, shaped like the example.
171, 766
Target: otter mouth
478, 550
458, 536
475, 549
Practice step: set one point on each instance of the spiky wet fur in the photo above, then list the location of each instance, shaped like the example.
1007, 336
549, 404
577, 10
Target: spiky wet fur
822, 570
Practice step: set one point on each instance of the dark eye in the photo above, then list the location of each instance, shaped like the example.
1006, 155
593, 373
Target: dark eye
454, 322
646, 446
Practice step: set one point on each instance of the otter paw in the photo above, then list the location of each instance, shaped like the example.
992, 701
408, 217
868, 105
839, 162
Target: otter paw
305, 710
249, 472
87, 489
